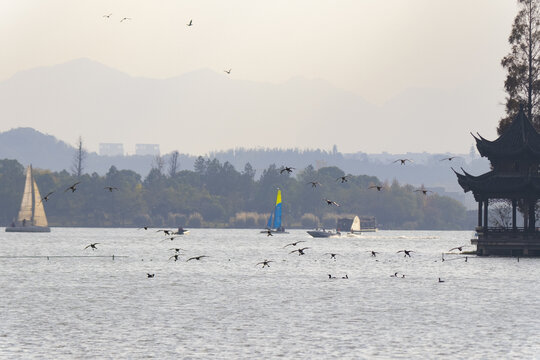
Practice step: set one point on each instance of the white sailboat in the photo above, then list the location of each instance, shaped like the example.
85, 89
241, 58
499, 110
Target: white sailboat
31, 217
355, 228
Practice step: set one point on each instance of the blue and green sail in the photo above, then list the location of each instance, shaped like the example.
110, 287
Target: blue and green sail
274, 221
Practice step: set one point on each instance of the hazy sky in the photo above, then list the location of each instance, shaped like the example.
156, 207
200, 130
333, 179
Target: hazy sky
374, 48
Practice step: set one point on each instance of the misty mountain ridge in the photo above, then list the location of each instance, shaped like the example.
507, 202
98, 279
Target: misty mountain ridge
203, 110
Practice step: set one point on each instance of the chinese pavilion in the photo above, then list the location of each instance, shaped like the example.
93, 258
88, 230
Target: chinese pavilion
515, 177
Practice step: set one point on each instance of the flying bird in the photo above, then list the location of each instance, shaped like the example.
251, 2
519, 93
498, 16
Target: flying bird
460, 248
175, 256
166, 232
92, 246
378, 187
46, 197
126, 18
407, 252
144, 227
107, 16
288, 169
294, 243
265, 263
343, 179
373, 253
332, 255
190, 23
314, 184
440, 280
423, 191
449, 158
177, 249
269, 232
170, 238
228, 71
300, 251
403, 161
73, 187
196, 257
150, 275
110, 188
330, 202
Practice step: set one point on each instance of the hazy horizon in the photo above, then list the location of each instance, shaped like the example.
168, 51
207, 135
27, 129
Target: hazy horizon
375, 51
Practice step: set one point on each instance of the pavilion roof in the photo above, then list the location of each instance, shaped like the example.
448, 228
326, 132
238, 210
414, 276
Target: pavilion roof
493, 185
520, 139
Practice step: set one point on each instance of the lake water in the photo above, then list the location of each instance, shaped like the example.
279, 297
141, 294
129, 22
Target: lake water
226, 307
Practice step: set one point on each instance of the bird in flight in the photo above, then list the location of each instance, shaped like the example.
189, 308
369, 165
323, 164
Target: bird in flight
166, 232
300, 251
460, 248
228, 71
441, 280
144, 227
197, 257
288, 169
175, 256
107, 15
170, 238
126, 18
423, 191
73, 187
378, 187
343, 179
330, 202
407, 252
92, 246
332, 255
177, 249
150, 275
110, 188
449, 158
269, 232
265, 263
46, 197
373, 253
314, 184
190, 23
403, 161
294, 243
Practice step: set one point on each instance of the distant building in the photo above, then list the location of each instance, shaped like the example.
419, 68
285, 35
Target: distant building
146, 149
111, 149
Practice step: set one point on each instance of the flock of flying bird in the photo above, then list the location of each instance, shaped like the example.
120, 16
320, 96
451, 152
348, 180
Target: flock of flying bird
266, 263
345, 178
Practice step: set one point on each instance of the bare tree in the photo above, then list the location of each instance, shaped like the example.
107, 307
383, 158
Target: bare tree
77, 167
501, 213
173, 163
158, 163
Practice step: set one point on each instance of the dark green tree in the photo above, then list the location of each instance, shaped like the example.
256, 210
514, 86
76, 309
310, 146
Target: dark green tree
522, 65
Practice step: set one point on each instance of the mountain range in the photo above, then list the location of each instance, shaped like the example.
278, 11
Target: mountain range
203, 111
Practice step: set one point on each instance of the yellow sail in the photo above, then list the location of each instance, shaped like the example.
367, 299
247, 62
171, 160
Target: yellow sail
39, 212
25, 213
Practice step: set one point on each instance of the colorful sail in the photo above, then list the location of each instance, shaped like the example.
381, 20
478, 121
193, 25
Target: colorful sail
277, 211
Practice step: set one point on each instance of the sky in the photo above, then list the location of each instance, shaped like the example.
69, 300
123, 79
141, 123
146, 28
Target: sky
375, 49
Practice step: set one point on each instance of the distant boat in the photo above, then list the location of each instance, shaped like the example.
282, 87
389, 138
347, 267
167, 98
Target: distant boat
353, 231
31, 217
274, 221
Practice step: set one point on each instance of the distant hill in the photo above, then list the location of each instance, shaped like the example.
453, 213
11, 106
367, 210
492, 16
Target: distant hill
201, 111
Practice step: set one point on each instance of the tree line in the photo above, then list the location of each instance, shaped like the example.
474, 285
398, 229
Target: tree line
215, 194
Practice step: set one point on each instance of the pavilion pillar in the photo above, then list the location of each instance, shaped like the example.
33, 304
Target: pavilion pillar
479, 213
486, 215
532, 217
514, 212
